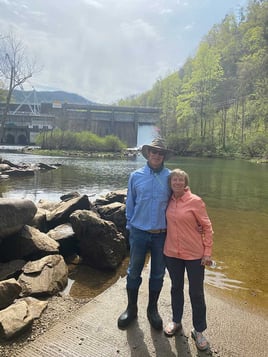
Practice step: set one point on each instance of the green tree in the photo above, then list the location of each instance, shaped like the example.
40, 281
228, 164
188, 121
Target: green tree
222, 91
170, 90
195, 102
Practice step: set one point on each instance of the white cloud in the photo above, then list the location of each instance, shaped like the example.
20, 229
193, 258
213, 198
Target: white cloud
166, 11
188, 27
109, 49
93, 3
138, 28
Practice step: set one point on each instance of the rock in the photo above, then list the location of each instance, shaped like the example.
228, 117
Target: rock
10, 164
101, 244
113, 208
65, 236
28, 244
9, 291
19, 316
4, 167
43, 166
11, 269
40, 220
46, 276
63, 210
115, 212
115, 196
69, 196
47, 205
14, 214
20, 172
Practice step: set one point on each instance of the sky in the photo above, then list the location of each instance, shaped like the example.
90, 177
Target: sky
106, 50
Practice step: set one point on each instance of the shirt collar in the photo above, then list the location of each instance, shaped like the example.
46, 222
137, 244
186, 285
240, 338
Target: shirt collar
183, 197
155, 170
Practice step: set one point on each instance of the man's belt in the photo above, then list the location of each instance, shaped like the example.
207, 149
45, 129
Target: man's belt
157, 231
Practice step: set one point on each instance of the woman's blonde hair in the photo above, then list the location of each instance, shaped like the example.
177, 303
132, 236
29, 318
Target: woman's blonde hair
179, 172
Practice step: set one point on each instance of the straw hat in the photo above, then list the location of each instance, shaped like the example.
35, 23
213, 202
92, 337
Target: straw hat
157, 143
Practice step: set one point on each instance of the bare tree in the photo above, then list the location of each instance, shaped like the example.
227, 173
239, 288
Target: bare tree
15, 69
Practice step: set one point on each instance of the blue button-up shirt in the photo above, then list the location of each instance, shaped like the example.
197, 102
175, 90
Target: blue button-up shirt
147, 199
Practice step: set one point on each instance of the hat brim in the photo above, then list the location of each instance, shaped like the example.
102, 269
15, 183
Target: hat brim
145, 151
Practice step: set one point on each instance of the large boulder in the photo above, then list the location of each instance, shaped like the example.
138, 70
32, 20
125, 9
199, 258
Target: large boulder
65, 236
4, 167
64, 209
28, 244
46, 276
115, 212
101, 244
14, 214
112, 207
47, 205
11, 269
19, 316
110, 197
40, 220
9, 291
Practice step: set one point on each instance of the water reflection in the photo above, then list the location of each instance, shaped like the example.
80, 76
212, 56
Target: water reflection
221, 281
92, 177
235, 184
86, 282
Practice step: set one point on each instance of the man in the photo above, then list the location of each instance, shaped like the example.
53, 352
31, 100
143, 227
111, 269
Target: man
147, 199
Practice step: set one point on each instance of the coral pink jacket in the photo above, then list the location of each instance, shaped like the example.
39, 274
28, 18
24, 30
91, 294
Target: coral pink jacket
183, 240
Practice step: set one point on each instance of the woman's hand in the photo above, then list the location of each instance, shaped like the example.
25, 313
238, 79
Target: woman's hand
206, 260
199, 229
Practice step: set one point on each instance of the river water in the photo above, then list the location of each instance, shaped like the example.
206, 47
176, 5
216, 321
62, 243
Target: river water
236, 195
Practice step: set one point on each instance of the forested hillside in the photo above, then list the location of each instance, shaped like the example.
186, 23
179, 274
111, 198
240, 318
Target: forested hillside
19, 96
217, 103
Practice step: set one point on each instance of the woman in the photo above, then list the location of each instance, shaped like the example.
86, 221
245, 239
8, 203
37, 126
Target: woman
187, 248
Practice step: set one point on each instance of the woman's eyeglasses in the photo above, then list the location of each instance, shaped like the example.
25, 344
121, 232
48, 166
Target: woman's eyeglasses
159, 152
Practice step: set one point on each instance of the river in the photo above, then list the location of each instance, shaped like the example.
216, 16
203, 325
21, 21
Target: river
236, 195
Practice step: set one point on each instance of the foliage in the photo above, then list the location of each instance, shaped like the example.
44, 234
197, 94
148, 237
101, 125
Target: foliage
179, 145
112, 143
256, 146
202, 148
217, 103
85, 141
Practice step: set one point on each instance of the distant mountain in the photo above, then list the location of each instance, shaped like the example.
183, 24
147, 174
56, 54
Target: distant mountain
36, 97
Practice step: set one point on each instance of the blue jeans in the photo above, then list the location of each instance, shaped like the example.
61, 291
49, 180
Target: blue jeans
142, 242
195, 272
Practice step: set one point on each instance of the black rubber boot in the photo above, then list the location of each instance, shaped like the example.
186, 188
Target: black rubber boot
152, 311
131, 312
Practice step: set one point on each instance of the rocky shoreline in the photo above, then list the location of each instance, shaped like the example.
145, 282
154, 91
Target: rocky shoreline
37, 242
58, 308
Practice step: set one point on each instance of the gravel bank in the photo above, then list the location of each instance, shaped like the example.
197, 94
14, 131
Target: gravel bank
59, 308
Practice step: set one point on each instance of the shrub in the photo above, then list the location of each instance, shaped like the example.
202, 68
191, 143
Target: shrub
256, 146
